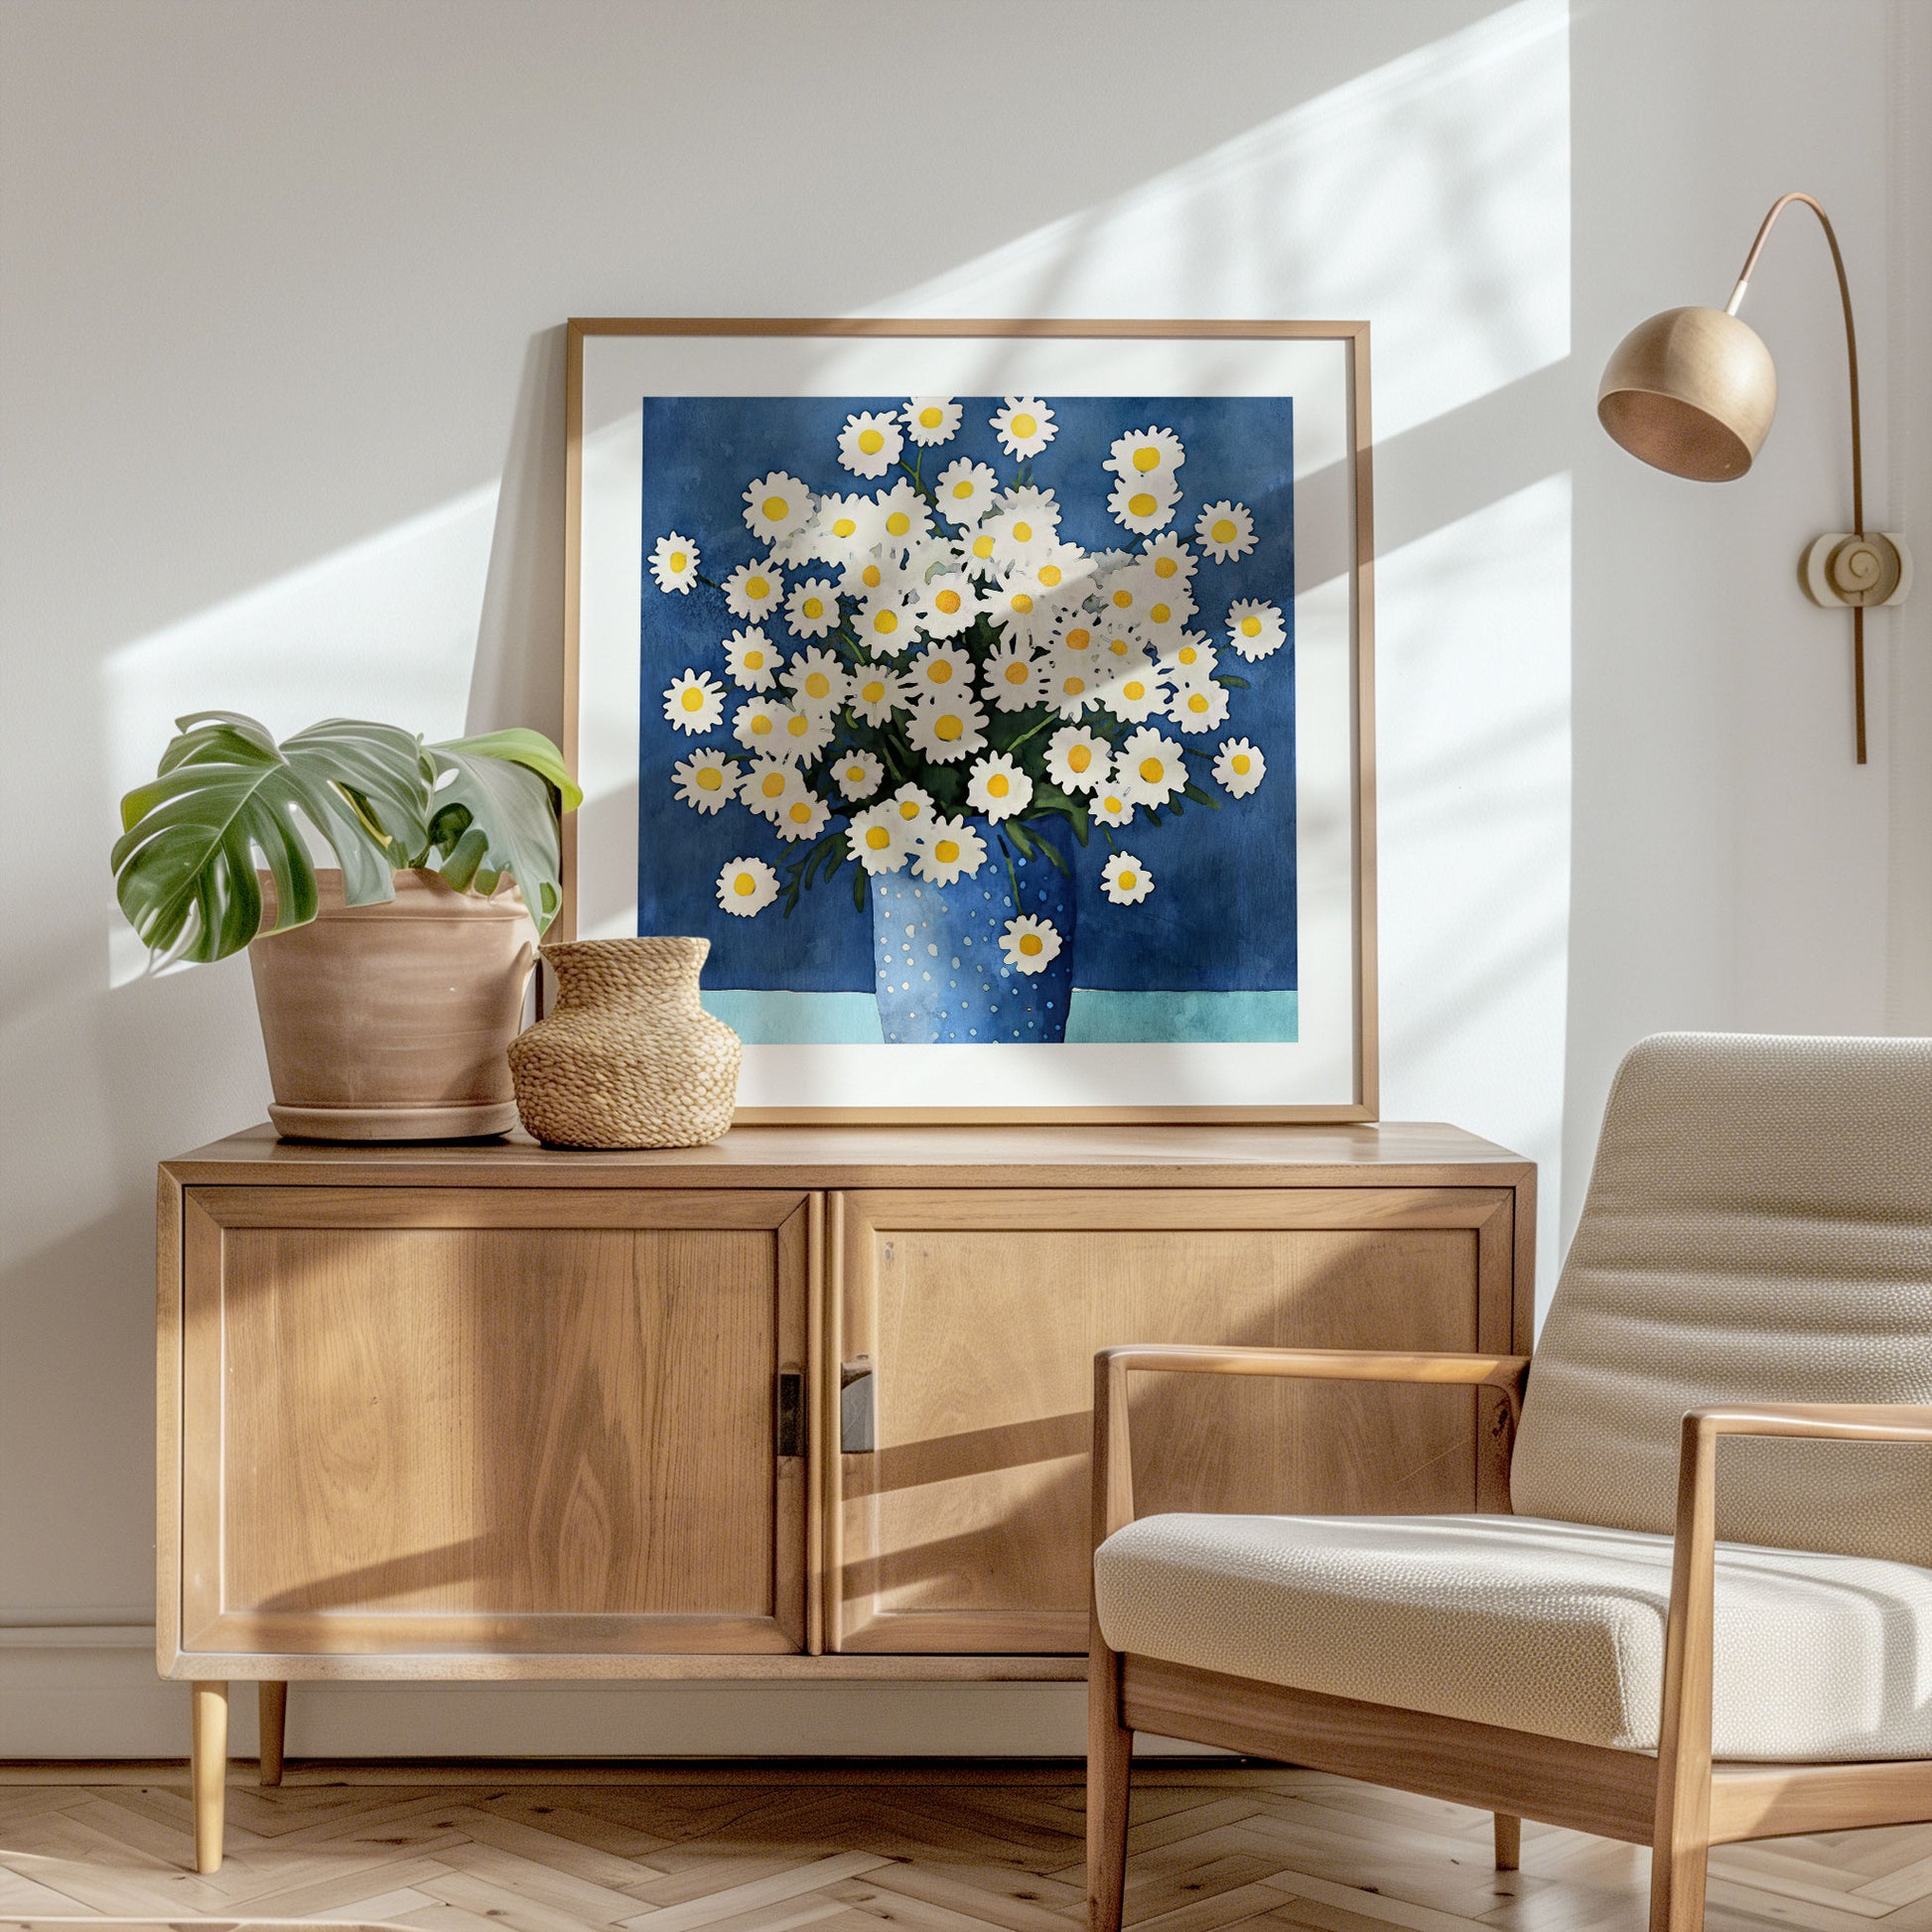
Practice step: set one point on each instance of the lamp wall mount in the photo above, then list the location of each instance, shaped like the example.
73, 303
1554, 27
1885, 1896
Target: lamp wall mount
1867, 572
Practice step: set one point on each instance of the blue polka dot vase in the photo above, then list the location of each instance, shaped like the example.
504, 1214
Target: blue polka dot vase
954, 965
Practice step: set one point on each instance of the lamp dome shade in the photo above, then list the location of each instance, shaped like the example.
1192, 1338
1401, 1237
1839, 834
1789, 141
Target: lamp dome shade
1690, 391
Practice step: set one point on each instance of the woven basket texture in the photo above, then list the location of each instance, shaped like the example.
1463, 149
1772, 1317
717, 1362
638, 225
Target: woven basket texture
630, 1058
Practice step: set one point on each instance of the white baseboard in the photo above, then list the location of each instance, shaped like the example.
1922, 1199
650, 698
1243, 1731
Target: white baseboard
94, 1693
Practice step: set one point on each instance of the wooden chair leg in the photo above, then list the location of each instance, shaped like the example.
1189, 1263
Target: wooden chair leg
209, 1771
274, 1728
1110, 1760
1677, 1880
1509, 1841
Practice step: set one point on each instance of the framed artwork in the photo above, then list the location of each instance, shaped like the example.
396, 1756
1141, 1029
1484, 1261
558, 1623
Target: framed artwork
993, 696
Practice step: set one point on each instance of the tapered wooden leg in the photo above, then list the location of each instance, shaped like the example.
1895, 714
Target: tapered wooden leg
209, 1771
274, 1728
1110, 1760
1509, 1841
1677, 1878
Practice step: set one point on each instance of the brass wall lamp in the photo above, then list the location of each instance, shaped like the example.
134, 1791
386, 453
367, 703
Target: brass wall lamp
1692, 391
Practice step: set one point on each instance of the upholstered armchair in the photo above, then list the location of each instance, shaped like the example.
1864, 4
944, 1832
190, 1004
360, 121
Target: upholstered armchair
1708, 1618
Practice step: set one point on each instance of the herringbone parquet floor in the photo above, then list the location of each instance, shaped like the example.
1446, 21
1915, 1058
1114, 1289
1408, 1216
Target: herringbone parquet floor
922, 1848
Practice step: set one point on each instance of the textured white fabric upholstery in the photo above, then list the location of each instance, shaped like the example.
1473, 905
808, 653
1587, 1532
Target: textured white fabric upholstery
1550, 1627
1759, 1227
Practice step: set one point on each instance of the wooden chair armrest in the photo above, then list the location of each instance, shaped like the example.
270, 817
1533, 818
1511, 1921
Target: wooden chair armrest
1113, 1465
1684, 1734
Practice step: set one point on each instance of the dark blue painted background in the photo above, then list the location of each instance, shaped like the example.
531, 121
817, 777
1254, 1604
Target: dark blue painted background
1222, 915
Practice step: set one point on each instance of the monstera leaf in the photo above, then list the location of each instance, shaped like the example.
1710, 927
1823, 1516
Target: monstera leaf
227, 799
493, 807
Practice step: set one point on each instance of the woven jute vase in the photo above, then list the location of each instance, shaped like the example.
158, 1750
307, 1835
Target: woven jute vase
629, 1058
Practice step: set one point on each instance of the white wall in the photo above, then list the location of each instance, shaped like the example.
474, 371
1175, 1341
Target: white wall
281, 379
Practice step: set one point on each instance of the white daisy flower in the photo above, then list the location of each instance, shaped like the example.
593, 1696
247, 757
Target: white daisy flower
964, 489
1165, 617
1024, 525
1190, 655
812, 608
887, 619
870, 444
1064, 572
1074, 636
775, 506
949, 604
769, 785
1023, 425
1128, 591
1143, 503
816, 680
751, 660
1019, 607
1078, 760
1239, 767
844, 530
802, 734
1255, 629
706, 781
940, 671
976, 559
1111, 804
1119, 644
875, 694
1152, 768
878, 840
1226, 530
747, 886
1072, 687
904, 516
911, 806
758, 724
694, 702
1030, 946
802, 817
944, 849
1125, 879
872, 575
674, 562
1134, 691
856, 774
753, 590
931, 420
1151, 454
1010, 678
947, 729
1198, 705
1169, 559
997, 787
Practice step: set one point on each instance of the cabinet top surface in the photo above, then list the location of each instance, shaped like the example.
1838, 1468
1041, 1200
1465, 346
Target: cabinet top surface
1416, 1153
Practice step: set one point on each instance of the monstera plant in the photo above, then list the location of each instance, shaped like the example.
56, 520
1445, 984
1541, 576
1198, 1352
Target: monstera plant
388, 991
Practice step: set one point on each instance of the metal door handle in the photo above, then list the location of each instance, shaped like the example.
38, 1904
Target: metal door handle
790, 1421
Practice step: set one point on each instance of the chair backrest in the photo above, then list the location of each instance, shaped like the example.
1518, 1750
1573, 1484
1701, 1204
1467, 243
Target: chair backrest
1759, 1227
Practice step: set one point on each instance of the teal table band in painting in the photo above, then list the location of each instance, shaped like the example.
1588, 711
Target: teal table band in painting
973, 721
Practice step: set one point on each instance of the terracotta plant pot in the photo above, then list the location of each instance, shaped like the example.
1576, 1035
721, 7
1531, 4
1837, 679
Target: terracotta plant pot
630, 1058
389, 1023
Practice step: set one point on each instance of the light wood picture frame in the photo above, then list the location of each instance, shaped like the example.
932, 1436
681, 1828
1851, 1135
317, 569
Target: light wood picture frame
1250, 993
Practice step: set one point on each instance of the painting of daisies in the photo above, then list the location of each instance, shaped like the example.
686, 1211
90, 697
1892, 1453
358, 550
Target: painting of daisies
970, 720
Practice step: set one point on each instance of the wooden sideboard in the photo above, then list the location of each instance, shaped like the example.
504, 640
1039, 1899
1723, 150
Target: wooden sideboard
810, 1403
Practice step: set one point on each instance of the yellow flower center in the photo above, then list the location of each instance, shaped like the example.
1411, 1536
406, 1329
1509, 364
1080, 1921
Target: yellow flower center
711, 778
798, 724
855, 775
743, 885
1079, 757
1251, 627
800, 811
1122, 599
693, 699
1223, 530
1128, 880
1119, 647
885, 623
1023, 533
931, 416
1165, 566
775, 508
1189, 654
1140, 504
1079, 637
772, 784
817, 685
1153, 772
950, 727
761, 724
1133, 690
679, 559
871, 441
872, 690
998, 785
754, 661
1016, 672
872, 576
878, 838
1074, 686
1160, 612
843, 526
1022, 602
1031, 943
758, 587
813, 607
1196, 702
962, 490
982, 546
947, 852
1023, 424
1147, 458
946, 601
1113, 805
1241, 763
899, 523
1049, 575
940, 671
908, 808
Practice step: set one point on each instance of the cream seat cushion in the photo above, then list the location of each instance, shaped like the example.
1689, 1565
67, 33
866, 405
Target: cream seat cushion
1551, 1627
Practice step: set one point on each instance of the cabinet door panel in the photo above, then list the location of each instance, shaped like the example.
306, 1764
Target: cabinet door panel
967, 1527
514, 1419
